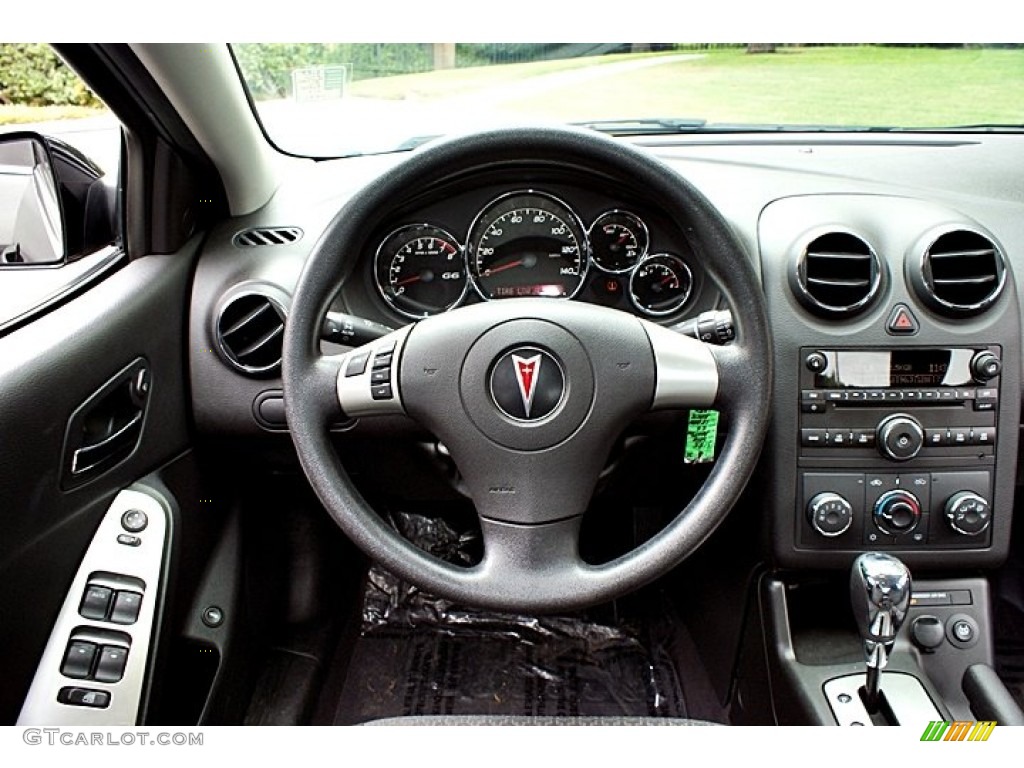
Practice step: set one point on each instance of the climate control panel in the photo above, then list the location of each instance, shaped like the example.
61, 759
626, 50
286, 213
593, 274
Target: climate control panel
887, 510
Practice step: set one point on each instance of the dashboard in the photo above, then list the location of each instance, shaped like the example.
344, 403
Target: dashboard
889, 275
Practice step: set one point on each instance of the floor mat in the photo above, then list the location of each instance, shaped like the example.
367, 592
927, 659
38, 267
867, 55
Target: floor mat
420, 655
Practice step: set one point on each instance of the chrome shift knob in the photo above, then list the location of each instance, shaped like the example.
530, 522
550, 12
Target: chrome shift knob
880, 594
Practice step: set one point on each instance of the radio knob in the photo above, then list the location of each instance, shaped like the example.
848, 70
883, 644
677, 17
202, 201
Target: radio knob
900, 437
897, 512
985, 366
968, 513
830, 514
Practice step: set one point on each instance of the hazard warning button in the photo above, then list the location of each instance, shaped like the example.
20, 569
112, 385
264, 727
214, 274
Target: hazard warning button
901, 321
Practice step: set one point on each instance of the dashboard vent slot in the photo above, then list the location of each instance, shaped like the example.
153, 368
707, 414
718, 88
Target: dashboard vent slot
838, 274
962, 273
250, 332
260, 236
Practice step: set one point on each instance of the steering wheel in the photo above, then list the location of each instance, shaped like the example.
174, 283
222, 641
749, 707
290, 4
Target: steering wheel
529, 395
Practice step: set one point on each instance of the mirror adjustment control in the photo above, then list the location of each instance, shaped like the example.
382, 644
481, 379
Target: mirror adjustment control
897, 512
830, 514
900, 437
968, 513
134, 521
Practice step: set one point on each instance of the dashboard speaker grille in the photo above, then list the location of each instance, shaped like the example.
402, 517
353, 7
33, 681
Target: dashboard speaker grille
962, 273
260, 236
838, 274
250, 332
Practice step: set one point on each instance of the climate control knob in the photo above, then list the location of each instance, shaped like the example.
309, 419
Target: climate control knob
900, 437
830, 514
968, 513
897, 512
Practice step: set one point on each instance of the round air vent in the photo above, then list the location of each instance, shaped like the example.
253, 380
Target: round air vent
961, 273
250, 331
838, 274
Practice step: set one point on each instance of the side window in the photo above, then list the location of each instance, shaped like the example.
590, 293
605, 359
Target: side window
59, 168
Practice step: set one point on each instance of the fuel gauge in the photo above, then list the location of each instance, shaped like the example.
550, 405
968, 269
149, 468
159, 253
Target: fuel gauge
618, 240
660, 285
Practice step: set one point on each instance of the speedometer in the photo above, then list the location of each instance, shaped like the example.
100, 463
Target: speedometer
527, 244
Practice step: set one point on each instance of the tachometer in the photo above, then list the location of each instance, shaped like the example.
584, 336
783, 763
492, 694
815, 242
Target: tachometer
420, 270
527, 244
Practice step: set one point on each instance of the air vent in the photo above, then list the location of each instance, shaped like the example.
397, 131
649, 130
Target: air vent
250, 331
962, 273
260, 236
838, 274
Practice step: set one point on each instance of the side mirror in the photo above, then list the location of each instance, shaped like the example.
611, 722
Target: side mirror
56, 205
31, 216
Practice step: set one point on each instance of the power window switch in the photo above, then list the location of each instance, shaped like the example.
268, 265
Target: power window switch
126, 607
84, 697
78, 660
96, 603
110, 667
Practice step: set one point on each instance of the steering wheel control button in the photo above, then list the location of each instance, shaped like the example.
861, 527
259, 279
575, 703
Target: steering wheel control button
84, 697
816, 362
78, 660
897, 512
900, 437
927, 633
830, 514
968, 513
380, 376
357, 364
382, 360
213, 616
111, 663
95, 603
381, 392
527, 383
126, 607
901, 321
134, 521
962, 630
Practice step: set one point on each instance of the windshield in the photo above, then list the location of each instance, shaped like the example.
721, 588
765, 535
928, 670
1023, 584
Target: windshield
326, 100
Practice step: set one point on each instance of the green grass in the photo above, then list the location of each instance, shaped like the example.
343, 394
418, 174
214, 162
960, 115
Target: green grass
13, 114
912, 87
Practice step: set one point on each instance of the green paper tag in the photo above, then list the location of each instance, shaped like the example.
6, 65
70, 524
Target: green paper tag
701, 436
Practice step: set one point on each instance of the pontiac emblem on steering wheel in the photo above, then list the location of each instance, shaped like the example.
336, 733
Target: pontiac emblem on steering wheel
527, 383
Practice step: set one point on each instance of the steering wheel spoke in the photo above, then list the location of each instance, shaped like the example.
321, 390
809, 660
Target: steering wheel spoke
686, 373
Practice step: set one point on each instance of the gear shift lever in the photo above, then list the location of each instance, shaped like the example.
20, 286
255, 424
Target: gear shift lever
880, 593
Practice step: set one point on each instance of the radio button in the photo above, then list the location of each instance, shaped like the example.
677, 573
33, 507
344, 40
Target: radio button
900, 437
911, 394
864, 438
959, 435
930, 395
812, 394
987, 394
835, 394
936, 437
812, 406
947, 394
965, 394
813, 438
857, 395
839, 438
983, 436
876, 395
893, 395
816, 362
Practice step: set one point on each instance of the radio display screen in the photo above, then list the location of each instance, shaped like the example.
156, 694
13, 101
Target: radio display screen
897, 368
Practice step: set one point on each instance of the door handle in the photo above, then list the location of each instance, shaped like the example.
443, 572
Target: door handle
89, 456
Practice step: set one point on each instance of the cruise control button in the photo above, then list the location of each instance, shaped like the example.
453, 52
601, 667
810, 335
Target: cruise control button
78, 660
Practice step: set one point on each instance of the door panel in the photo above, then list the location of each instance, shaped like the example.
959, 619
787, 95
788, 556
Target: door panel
48, 369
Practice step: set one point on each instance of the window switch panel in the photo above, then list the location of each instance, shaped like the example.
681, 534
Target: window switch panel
96, 603
78, 660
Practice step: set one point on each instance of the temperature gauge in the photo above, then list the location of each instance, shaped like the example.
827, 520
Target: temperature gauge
618, 240
660, 285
